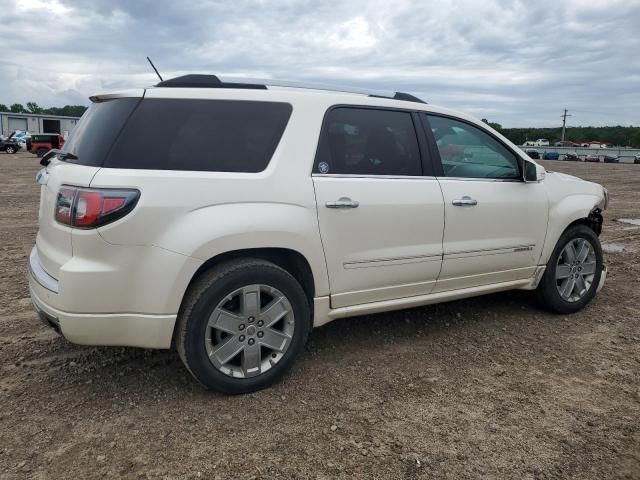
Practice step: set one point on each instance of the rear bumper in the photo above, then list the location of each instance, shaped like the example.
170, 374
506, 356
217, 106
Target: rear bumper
115, 329
108, 329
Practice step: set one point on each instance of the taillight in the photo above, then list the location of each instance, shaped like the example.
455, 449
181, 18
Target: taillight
93, 207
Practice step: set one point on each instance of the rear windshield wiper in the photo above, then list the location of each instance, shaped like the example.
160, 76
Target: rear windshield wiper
54, 152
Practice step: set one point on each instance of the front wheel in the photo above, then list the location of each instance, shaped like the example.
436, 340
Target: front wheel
573, 272
10, 150
242, 325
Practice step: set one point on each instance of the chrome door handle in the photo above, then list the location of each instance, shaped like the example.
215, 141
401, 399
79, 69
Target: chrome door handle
465, 201
342, 203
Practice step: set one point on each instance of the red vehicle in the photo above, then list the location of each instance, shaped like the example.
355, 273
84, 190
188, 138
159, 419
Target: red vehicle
592, 158
41, 143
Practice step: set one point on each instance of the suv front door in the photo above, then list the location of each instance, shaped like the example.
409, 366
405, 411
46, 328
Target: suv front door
495, 223
380, 214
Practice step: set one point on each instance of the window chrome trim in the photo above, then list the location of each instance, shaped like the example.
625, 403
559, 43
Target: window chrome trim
473, 179
364, 175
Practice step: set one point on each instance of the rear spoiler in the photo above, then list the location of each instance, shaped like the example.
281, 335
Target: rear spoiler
134, 93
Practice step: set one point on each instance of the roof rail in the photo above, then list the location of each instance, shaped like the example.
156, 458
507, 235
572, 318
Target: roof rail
214, 81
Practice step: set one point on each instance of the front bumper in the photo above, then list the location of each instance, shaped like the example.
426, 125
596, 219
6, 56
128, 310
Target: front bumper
108, 329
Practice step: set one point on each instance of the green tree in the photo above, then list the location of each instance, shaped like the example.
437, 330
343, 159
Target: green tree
3, 108
33, 107
17, 108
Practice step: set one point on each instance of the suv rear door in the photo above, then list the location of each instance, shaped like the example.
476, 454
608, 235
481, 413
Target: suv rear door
89, 142
380, 211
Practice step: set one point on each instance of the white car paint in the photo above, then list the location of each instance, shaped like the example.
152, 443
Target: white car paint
405, 245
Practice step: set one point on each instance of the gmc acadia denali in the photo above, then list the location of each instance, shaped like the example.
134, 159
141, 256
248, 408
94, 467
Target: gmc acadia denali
229, 218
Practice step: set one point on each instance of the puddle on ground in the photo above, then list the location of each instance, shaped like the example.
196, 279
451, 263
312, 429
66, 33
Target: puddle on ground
630, 221
612, 248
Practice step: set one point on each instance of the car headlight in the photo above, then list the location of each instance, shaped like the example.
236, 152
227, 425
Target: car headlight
606, 198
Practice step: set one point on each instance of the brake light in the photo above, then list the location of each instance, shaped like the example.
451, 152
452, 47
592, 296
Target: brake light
93, 207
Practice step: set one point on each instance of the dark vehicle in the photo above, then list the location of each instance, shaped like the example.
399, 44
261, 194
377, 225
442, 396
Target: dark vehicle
533, 153
9, 145
572, 157
592, 158
551, 156
41, 143
611, 159
636, 159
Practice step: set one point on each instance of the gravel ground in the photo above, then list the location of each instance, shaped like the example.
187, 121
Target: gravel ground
490, 387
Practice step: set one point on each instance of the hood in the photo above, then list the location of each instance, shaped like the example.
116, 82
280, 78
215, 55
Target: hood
561, 185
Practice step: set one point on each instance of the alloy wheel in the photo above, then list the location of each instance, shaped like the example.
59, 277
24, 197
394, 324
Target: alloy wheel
575, 269
249, 331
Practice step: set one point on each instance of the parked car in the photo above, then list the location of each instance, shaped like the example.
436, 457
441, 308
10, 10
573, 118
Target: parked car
565, 143
231, 219
41, 143
551, 156
533, 153
611, 159
9, 145
636, 159
572, 157
592, 158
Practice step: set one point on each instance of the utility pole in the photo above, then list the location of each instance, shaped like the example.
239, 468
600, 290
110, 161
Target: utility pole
564, 122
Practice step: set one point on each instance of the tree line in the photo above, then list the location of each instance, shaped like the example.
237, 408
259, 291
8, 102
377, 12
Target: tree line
616, 136
33, 107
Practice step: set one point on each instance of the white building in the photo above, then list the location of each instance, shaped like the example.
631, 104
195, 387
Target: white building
11, 122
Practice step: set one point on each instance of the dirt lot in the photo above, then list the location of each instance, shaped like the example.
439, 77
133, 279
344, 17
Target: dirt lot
491, 387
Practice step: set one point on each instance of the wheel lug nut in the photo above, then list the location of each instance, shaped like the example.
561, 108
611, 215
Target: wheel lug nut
251, 319
261, 334
241, 338
251, 341
260, 323
241, 326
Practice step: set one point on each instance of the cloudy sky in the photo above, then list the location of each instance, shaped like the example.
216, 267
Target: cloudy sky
519, 63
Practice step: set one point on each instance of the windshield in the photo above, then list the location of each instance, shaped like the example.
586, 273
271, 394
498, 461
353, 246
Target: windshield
96, 131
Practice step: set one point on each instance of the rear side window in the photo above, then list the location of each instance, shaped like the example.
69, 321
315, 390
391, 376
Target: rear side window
200, 135
96, 131
368, 142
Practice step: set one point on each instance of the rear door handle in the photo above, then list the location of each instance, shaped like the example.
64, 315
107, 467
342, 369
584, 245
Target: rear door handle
344, 202
465, 201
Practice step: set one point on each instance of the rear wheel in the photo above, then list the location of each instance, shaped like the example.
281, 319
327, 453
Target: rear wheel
10, 150
41, 151
242, 326
573, 272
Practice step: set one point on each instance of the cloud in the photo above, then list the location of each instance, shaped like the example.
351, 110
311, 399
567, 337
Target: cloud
515, 62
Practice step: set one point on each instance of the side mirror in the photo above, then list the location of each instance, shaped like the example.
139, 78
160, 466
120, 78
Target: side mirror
533, 172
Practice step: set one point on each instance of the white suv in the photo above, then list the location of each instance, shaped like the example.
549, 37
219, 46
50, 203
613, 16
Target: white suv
229, 218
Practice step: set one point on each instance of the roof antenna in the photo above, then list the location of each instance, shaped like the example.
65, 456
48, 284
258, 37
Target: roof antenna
155, 69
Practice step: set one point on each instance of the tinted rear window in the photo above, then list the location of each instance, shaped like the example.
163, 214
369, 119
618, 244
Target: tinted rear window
200, 135
96, 131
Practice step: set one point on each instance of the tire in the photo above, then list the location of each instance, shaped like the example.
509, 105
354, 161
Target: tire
215, 294
549, 291
41, 151
10, 150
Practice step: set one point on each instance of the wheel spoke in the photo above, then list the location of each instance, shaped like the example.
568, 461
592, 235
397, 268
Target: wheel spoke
250, 300
588, 268
274, 340
251, 359
224, 320
583, 251
570, 252
567, 287
563, 271
274, 311
228, 350
580, 284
